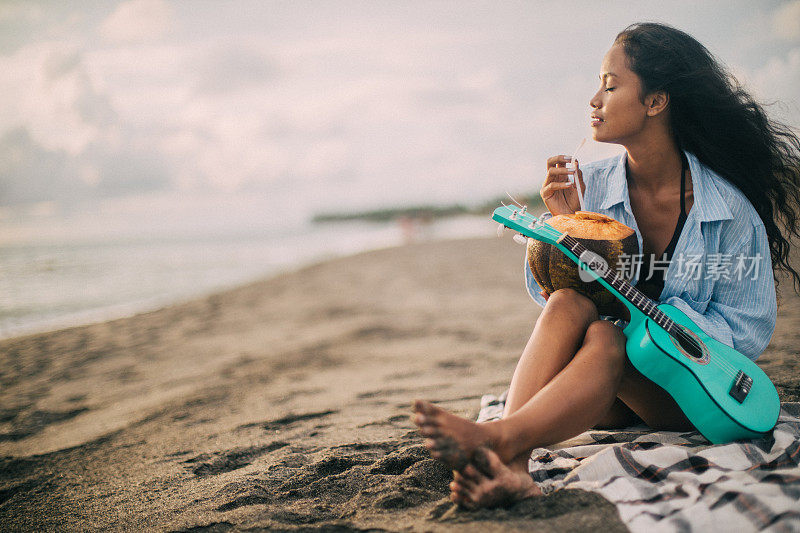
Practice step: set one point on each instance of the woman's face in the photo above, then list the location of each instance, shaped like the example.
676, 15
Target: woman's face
618, 113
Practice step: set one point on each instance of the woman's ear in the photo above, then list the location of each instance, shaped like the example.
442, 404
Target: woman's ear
656, 103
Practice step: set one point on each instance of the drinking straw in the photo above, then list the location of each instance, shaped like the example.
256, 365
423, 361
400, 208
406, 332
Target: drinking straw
575, 172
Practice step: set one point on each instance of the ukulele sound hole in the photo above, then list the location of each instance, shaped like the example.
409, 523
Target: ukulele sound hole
689, 345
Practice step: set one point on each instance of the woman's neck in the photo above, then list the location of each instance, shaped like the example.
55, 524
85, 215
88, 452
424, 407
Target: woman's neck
654, 166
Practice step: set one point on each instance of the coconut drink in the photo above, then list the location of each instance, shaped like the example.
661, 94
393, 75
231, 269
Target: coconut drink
603, 235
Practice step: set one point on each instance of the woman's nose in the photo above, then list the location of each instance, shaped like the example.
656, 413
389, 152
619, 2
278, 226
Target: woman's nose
595, 103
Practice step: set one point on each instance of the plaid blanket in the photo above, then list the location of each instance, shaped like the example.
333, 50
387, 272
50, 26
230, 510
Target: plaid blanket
665, 481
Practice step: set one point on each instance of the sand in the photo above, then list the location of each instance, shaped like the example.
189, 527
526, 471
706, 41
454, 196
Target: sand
284, 404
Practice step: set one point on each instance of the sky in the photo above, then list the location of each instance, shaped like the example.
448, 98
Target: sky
159, 105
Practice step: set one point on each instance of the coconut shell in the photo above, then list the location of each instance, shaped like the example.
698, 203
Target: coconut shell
603, 235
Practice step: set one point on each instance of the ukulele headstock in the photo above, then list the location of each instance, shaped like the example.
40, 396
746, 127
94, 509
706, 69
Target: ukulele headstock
519, 220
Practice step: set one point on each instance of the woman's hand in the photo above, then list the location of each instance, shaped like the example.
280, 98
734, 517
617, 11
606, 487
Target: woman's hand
559, 195
544, 295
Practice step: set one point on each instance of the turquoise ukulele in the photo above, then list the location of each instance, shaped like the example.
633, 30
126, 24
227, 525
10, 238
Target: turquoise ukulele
723, 393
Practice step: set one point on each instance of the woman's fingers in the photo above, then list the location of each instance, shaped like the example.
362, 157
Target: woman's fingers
558, 174
557, 160
544, 295
557, 181
551, 188
558, 170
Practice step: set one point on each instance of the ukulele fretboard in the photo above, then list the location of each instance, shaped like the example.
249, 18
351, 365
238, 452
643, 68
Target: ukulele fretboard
631, 293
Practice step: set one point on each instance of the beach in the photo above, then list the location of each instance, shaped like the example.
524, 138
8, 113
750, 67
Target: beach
284, 404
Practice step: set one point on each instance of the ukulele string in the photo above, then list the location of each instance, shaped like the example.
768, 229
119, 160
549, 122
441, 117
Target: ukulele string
722, 364
519, 204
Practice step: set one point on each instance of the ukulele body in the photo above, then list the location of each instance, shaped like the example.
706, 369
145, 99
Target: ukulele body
701, 386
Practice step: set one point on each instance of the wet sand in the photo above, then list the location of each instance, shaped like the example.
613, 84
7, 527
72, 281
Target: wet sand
284, 404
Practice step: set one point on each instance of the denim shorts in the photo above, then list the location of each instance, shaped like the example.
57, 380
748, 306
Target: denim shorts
622, 324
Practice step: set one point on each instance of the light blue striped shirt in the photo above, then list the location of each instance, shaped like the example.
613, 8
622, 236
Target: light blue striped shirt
720, 274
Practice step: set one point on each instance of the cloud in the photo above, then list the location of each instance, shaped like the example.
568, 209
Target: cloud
17, 12
137, 21
43, 86
786, 21
48, 175
777, 81
424, 104
30, 172
231, 69
61, 138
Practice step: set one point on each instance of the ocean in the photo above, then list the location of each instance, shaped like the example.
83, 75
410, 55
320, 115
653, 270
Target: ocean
73, 277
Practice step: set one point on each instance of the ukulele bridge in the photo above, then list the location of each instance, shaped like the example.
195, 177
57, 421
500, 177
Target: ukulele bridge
741, 387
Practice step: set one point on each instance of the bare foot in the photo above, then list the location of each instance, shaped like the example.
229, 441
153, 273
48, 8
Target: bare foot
450, 438
488, 482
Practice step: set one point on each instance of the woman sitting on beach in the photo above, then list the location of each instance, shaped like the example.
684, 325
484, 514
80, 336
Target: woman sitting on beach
705, 173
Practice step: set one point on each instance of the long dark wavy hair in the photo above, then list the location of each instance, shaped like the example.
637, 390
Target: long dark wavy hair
713, 117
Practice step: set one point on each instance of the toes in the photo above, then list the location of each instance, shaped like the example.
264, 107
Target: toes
462, 500
473, 474
430, 431
461, 483
425, 408
420, 406
436, 444
424, 419
480, 498
426, 426
468, 502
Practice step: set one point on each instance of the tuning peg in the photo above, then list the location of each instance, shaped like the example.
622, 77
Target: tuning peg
500, 229
519, 238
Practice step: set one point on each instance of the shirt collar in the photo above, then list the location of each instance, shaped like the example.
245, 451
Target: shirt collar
709, 204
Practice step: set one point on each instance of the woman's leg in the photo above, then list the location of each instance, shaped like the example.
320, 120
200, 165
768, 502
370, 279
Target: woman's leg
571, 402
487, 481
569, 313
650, 402
619, 416
556, 337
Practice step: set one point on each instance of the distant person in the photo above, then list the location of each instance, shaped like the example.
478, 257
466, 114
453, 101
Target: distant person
704, 171
408, 228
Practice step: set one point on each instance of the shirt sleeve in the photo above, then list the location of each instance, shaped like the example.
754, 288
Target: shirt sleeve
743, 308
533, 288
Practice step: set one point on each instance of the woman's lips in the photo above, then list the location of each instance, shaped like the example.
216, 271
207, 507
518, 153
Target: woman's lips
596, 121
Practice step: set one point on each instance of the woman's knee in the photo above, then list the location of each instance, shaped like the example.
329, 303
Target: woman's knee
573, 301
606, 340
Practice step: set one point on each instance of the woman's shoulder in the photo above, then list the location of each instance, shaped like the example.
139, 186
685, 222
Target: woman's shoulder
732, 199
731, 215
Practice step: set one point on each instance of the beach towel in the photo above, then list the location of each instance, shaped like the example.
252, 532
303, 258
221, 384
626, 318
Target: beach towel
668, 481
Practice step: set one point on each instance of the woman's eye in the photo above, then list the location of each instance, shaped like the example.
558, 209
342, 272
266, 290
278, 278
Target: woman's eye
609, 89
